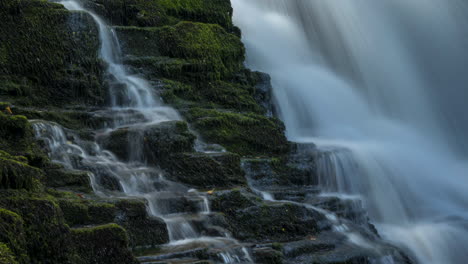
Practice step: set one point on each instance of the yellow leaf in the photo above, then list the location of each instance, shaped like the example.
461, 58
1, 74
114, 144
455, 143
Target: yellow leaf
210, 192
8, 109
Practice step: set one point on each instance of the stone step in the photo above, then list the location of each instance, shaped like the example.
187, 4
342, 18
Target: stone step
199, 250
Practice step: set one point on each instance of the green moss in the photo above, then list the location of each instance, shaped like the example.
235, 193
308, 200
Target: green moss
18, 175
6, 256
102, 244
45, 229
79, 120
65, 179
214, 94
12, 233
16, 134
166, 12
245, 134
218, 53
74, 212
203, 51
160, 141
50, 54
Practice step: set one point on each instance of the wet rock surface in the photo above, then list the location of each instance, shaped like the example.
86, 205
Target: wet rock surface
206, 170
155, 143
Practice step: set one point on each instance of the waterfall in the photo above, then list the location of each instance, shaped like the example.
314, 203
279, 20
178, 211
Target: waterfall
378, 87
134, 104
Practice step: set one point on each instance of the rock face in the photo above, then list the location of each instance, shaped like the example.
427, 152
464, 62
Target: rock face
192, 55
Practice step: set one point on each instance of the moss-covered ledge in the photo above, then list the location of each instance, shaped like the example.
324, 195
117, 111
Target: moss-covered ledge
246, 134
205, 51
154, 13
106, 244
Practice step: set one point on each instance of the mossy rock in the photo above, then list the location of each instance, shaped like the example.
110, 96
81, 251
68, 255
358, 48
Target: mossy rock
144, 231
245, 134
208, 51
214, 94
17, 139
205, 170
150, 13
283, 171
276, 222
80, 120
158, 141
230, 201
78, 211
48, 54
6, 256
254, 220
18, 175
16, 134
47, 235
12, 233
68, 180
106, 244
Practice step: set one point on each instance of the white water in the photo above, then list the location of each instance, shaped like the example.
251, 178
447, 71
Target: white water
379, 87
133, 103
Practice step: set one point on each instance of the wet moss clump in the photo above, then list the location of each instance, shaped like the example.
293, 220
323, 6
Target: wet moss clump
245, 134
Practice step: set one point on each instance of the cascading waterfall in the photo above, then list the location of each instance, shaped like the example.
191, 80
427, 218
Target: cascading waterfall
378, 87
133, 104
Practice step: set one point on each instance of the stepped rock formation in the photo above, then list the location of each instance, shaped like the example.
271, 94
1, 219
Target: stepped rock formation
161, 148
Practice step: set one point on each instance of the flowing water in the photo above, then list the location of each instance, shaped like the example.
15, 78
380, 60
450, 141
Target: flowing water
134, 104
378, 86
